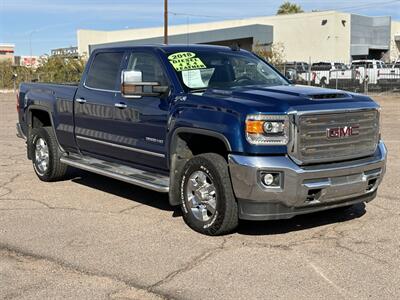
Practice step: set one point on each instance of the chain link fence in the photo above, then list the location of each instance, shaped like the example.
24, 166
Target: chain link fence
361, 76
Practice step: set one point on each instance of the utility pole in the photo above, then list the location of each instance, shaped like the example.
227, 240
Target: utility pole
30, 47
165, 21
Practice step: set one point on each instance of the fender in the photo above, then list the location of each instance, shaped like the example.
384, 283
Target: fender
29, 122
207, 132
176, 164
198, 131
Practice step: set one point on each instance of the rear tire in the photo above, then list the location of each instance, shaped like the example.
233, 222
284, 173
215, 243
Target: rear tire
207, 199
46, 154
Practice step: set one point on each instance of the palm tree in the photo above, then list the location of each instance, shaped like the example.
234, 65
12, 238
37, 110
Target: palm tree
289, 8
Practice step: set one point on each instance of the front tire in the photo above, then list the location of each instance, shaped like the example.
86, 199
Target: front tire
207, 200
46, 155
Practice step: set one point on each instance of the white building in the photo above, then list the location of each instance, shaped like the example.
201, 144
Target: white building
328, 35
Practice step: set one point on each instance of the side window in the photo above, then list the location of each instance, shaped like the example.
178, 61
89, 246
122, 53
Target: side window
103, 71
359, 64
321, 67
149, 65
340, 66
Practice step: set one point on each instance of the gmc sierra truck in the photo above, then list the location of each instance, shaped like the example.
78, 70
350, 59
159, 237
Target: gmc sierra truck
218, 128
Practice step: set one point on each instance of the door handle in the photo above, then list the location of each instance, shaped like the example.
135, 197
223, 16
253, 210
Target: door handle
80, 100
120, 105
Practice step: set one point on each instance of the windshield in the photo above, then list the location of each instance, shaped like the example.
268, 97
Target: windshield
211, 69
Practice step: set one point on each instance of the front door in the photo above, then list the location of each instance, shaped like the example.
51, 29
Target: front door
141, 122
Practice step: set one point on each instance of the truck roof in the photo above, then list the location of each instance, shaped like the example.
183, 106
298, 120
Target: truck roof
366, 60
169, 48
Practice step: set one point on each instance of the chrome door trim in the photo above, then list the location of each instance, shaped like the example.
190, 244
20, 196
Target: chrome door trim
100, 90
120, 146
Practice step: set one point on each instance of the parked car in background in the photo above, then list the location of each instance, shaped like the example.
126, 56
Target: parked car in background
296, 71
389, 77
372, 70
321, 71
377, 73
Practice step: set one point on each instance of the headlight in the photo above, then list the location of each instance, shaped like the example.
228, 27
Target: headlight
267, 129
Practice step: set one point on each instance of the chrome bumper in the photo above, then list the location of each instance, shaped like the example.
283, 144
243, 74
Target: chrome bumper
303, 189
20, 133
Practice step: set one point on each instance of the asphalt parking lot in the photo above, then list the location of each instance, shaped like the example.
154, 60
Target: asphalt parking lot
91, 237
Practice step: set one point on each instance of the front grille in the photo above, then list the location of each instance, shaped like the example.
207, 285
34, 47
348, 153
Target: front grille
325, 137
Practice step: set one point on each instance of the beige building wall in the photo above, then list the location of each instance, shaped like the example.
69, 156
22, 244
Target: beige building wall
7, 52
303, 36
90, 37
395, 45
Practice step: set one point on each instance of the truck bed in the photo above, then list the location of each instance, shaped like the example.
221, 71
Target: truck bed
42, 92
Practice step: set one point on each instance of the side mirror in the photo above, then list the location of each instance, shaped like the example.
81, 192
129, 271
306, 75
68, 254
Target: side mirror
132, 85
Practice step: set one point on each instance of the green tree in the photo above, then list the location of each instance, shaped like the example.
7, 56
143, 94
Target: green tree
7, 72
288, 8
52, 69
60, 70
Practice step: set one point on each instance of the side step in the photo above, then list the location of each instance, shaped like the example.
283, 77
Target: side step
152, 181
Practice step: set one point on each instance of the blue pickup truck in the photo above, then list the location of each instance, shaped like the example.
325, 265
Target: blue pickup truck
218, 128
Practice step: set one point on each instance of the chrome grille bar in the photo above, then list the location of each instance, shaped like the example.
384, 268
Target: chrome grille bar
313, 144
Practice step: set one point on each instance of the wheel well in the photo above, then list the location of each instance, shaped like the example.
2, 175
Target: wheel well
40, 118
184, 146
191, 144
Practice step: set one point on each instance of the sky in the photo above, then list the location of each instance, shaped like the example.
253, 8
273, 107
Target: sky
37, 26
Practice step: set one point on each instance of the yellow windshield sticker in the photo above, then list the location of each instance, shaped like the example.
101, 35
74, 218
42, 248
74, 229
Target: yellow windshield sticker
183, 61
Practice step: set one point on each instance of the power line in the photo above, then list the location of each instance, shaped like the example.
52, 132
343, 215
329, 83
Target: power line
193, 15
366, 5
354, 7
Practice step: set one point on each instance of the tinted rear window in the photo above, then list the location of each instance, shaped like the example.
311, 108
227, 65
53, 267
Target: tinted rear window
340, 66
359, 64
321, 67
103, 72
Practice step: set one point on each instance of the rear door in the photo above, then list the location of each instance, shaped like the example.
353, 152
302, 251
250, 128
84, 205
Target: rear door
94, 104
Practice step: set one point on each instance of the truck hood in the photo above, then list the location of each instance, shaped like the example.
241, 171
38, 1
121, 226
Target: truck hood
283, 99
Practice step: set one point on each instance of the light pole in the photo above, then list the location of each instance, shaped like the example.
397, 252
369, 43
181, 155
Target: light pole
165, 21
30, 47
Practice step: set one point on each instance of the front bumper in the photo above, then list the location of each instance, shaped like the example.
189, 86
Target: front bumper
303, 189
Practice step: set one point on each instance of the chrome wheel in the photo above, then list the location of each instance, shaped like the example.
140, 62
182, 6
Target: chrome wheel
41, 156
201, 196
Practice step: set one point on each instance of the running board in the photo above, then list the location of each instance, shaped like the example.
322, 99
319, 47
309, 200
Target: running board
152, 181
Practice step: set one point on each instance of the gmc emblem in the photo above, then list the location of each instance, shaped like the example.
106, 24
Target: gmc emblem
341, 132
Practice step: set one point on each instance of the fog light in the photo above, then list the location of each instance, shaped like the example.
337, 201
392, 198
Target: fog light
267, 179
272, 179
